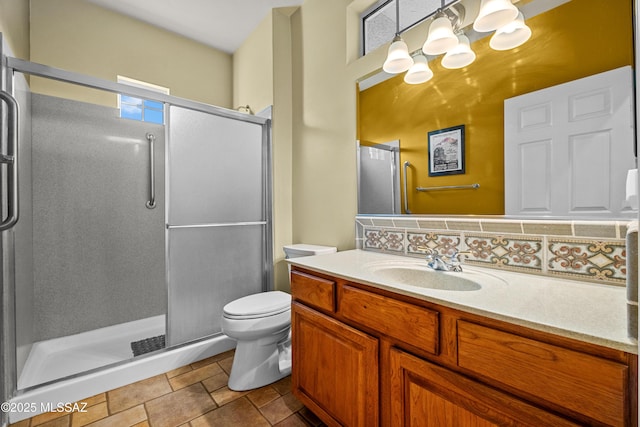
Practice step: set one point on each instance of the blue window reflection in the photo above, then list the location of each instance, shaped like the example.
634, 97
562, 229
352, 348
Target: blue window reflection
152, 104
153, 116
143, 110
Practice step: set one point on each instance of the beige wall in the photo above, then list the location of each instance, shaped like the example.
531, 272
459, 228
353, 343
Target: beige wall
14, 25
324, 123
283, 143
78, 36
315, 68
326, 66
262, 77
312, 79
253, 68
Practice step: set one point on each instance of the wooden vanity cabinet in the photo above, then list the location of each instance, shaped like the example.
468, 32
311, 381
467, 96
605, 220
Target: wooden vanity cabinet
586, 384
335, 372
427, 395
363, 356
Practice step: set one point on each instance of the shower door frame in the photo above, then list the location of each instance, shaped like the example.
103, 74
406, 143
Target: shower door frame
11, 65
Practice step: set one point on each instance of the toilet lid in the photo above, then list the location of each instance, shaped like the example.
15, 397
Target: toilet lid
259, 305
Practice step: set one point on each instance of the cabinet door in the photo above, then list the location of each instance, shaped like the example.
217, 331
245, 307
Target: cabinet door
426, 395
335, 369
589, 386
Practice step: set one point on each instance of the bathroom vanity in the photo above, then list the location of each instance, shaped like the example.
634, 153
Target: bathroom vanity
372, 347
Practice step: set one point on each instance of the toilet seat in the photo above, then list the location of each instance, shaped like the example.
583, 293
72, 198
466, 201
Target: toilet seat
258, 305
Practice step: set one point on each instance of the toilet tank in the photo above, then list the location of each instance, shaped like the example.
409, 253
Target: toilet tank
302, 249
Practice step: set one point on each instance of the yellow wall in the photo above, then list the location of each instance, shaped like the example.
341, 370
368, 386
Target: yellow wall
572, 41
79, 36
14, 25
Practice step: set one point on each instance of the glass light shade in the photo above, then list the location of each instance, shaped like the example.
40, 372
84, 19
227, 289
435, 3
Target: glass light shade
511, 35
460, 56
441, 37
398, 58
419, 71
494, 14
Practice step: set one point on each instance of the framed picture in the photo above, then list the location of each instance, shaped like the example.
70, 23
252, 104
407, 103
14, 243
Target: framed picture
446, 151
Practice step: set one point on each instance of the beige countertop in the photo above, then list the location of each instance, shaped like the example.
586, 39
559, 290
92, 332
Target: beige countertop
585, 311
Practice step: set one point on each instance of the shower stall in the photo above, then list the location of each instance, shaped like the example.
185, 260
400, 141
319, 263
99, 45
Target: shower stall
121, 240
378, 168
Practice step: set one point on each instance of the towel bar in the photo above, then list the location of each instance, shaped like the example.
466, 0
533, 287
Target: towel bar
451, 187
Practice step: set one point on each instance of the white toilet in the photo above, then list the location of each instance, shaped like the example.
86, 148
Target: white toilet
261, 325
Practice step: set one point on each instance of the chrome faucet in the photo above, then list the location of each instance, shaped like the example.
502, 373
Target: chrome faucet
442, 262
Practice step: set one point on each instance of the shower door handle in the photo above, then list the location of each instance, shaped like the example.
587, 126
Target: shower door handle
11, 160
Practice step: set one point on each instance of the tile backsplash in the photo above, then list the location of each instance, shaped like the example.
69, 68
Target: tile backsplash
583, 250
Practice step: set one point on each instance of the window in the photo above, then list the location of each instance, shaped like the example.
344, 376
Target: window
144, 110
379, 22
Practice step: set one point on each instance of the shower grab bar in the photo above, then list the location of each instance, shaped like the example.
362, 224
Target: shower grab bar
405, 165
451, 187
11, 160
151, 203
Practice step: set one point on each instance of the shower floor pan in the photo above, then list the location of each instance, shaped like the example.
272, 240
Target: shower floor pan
61, 357
89, 384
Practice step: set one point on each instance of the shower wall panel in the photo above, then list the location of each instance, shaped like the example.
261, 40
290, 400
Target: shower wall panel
98, 251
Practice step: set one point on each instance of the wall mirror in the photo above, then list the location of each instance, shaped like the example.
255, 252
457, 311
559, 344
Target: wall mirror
570, 40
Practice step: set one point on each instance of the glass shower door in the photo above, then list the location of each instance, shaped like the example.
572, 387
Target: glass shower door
217, 219
379, 178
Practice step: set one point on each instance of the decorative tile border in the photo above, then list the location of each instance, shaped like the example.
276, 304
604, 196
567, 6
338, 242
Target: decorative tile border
513, 252
592, 251
599, 260
384, 240
441, 243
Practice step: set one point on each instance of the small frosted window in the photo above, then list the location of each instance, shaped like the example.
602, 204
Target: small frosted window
379, 22
144, 110
379, 27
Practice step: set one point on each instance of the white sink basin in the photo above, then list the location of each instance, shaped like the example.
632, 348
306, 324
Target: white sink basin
416, 273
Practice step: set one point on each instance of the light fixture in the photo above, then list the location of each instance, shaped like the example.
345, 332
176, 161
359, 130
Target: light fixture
460, 56
419, 71
494, 14
398, 58
441, 37
446, 35
511, 35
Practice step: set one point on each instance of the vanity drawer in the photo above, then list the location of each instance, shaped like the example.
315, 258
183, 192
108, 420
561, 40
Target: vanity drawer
314, 291
409, 323
577, 381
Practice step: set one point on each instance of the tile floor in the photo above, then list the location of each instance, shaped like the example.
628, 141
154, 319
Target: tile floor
195, 395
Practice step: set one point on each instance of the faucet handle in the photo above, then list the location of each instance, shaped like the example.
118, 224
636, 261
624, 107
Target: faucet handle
455, 261
425, 249
431, 257
456, 253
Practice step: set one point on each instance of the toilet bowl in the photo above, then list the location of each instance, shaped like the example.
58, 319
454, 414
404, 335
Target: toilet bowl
261, 324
